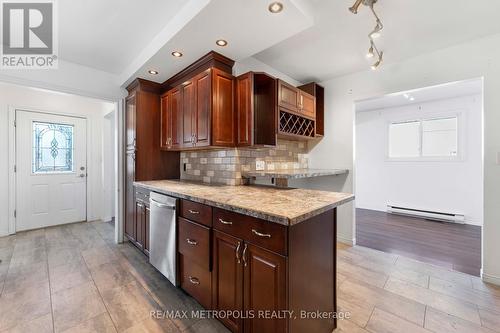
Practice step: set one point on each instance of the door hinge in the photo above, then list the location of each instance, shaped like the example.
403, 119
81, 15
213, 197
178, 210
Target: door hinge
15, 168
15, 213
15, 123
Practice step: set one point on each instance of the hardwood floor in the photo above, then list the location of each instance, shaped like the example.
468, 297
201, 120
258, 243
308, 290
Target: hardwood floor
453, 246
75, 279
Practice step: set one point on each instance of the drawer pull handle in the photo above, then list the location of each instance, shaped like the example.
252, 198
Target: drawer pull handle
245, 255
194, 280
255, 232
238, 259
191, 242
225, 222
195, 212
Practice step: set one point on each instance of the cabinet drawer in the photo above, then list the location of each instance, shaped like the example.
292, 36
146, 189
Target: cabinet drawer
269, 235
196, 212
142, 195
194, 242
196, 281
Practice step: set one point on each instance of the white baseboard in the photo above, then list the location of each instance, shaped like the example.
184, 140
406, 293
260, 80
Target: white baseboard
491, 279
346, 240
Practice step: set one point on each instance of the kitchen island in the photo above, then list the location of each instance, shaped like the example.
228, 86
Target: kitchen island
264, 259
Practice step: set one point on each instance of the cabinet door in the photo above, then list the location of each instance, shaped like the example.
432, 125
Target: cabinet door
146, 227
307, 105
130, 121
244, 108
203, 108
140, 220
223, 115
227, 288
264, 288
188, 112
176, 118
288, 96
130, 196
166, 121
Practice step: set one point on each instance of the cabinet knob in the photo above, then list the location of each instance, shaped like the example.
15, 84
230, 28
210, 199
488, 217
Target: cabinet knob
191, 241
194, 280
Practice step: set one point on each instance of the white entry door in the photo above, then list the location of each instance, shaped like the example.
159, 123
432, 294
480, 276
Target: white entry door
51, 163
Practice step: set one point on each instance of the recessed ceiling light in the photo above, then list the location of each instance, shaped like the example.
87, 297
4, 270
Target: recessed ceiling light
153, 72
275, 7
177, 54
221, 42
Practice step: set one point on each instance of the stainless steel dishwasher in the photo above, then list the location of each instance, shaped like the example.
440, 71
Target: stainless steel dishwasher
163, 230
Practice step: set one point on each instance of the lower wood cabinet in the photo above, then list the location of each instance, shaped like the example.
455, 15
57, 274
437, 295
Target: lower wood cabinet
137, 228
250, 267
227, 275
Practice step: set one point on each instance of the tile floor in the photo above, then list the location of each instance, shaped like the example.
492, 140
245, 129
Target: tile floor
73, 278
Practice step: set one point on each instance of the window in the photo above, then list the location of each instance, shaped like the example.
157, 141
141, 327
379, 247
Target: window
426, 138
52, 148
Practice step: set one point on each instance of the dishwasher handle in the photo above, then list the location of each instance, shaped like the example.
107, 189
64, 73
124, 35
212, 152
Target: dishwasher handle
161, 205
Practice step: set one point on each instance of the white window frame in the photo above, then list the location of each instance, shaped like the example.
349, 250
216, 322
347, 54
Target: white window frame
460, 115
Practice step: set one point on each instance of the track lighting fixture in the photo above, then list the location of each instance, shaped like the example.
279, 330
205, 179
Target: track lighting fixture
374, 34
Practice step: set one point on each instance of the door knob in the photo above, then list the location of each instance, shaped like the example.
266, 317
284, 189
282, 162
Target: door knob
82, 175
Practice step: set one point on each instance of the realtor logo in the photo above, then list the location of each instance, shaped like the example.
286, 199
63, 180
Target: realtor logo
28, 34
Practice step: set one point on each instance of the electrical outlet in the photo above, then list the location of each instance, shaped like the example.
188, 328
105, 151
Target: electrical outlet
260, 165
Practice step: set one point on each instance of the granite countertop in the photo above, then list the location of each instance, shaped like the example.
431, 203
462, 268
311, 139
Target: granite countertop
294, 173
283, 206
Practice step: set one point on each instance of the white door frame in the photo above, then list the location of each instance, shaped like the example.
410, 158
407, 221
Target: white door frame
12, 159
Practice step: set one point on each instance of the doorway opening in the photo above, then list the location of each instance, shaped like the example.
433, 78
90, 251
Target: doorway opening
419, 174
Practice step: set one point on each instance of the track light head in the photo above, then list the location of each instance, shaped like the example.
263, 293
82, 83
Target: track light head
354, 9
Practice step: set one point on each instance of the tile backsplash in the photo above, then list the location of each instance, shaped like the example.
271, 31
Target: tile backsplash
224, 166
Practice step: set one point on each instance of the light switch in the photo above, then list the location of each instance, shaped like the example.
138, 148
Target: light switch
260, 165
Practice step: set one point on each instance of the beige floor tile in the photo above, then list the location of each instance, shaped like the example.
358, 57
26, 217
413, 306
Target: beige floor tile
63, 255
42, 324
490, 319
28, 257
151, 325
358, 292
347, 326
440, 322
479, 284
111, 275
207, 326
97, 256
448, 304
24, 305
369, 276
69, 275
23, 276
128, 305
481, 299
75, 305
435, 271
99, 324
359, 311
384, 322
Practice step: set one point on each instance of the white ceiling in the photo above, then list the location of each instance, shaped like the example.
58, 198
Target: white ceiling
337, 43
247, 26
109, 34
310, 40
427, 94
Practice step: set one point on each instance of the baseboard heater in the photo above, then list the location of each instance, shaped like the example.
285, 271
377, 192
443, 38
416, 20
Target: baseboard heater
427, 214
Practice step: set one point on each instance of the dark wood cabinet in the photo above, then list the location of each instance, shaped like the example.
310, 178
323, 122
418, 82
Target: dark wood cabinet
140, 223
256, 110
166, 121
318, 92
204, 101
307, 105
145, 133
288, 96
265, 288
227, 276
137, 230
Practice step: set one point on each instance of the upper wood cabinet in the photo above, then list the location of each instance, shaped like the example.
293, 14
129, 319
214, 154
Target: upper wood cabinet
200, 112
318, 92
295, 100
256, 110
